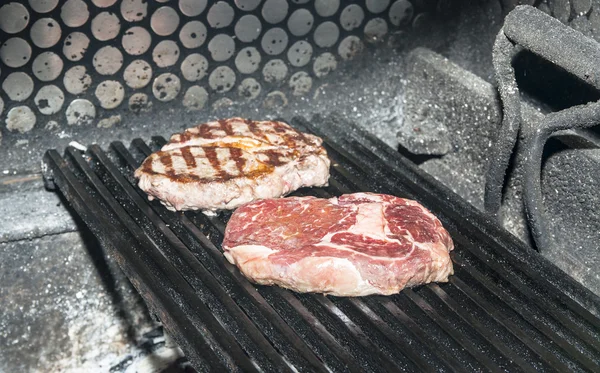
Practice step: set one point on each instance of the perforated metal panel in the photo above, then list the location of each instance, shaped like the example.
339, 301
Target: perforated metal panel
77, 61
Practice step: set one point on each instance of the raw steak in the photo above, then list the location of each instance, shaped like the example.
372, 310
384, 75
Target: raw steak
226, 163
354, 245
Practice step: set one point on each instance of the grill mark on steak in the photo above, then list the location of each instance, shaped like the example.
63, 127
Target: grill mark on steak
205, 132
236, 155
166, 160
253, 127
188, 157
226, 126
274, 157
211, 155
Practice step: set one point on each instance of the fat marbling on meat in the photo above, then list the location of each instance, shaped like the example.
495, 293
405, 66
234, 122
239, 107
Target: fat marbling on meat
354, 245
226, 163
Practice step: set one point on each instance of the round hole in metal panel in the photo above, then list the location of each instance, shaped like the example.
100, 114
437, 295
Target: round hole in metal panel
274, 41
274, 11
74, 13
300, 83
80, 111
375, 30
20, 119
401, 12
18, 86
326, 8
107, 60
220, 15
47, 66
136, 40
247, 60
324, 64
275, 99
106, 26
139, 102
193, 34
45, 32
351, 17
110, 94
275, 71
138, 74
222, 79
134, 10
77, 80
195, 98
350, 47
164, 21
49, 99
43, 6
249, 89
326, 34
377, 6
194, 67
15, 52
300, 53
192, 8
75, 46
247, 5
103, 3
221, 47
166, 53
166, 87
300, 22
14, 17
247, 28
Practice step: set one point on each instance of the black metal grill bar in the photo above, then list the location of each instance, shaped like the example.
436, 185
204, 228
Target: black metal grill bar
542, 352
570, 343
121, 244
512, 252
345, 324
174, 220
220, 227
539, 272
337, 172
426, 338
503, 310
191, 269
358, 333
162, 254
541, 297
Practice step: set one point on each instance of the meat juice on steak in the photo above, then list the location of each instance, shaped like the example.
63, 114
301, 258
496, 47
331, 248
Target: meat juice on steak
354, 245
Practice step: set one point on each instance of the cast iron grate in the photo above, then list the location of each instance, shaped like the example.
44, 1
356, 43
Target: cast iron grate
505, 309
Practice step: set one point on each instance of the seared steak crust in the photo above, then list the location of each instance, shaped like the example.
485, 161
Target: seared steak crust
226, 163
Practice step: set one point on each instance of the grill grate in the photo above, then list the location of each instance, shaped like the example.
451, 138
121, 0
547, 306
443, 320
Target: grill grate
506, 308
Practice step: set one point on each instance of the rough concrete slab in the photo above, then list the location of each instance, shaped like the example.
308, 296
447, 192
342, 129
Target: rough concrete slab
59, 313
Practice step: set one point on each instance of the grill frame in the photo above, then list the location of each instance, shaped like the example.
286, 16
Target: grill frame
506, 308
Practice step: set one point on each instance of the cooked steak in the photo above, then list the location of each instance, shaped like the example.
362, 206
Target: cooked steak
354, 245
226, 163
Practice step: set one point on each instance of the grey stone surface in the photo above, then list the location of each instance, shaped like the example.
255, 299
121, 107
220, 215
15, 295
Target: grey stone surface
29, 210
470, 109
64, 308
